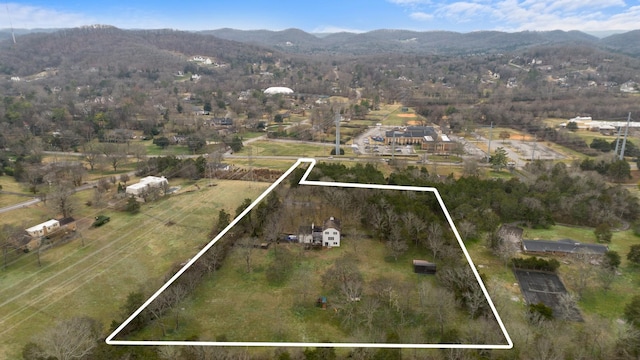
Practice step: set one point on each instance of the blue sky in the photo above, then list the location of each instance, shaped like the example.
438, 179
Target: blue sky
330, 15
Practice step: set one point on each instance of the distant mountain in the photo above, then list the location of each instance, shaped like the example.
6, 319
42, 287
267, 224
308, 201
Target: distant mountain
429, 42
627, 43
111, 47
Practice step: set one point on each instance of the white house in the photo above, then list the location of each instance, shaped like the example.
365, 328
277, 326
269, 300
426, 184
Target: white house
331, 232
327, 235
44, 229
146, 183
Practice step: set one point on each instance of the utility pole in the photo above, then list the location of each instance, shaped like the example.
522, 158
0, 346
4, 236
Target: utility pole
626, 133
535, 144
490, 137
251, 162
337, 121
618, 141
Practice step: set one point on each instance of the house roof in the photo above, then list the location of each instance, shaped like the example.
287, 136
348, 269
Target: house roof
47, 223
332, 223
417, 262
413, 132
568, 246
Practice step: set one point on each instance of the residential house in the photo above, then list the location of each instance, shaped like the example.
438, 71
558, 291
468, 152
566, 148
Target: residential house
328, 235
310, 234
331, 232
146, 183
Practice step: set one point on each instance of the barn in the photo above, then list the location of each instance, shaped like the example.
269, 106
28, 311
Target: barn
424, 267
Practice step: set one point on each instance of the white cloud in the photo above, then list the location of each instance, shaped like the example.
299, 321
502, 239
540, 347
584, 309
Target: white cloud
29, 17
584, 15
464, 11
421, 16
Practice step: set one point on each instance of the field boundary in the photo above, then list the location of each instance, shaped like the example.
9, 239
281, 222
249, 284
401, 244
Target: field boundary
311, 163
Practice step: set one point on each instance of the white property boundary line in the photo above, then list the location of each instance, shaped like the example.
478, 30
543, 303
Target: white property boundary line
109, 340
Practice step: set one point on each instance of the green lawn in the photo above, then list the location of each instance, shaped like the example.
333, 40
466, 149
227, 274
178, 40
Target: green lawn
129, 253
289, 148
245, 307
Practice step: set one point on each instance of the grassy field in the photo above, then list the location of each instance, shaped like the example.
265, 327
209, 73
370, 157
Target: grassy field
243, 306
289, 148
129, 253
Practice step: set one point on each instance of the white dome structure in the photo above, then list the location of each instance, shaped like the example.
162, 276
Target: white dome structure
278, 90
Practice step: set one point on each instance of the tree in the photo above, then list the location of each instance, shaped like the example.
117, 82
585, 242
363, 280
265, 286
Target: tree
133, 206
619, 171
74, 338
344, 277
603, 233
499, 159
59, 198
470, 167
162, 142
634, 254
224, 218
91, 154
114, 153
236, 144
504, 135
632, 312
611, 260
572, 126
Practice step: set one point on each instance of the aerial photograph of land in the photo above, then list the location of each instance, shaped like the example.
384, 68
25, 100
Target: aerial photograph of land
389, 179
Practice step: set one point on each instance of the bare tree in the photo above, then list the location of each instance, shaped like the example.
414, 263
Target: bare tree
396, 244
414, 225
92, 154
345, 278
60, 199
114, 154
247, 245
435, 239
70, 339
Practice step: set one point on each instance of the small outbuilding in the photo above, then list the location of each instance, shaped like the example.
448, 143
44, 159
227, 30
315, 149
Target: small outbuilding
424, 267
44, 228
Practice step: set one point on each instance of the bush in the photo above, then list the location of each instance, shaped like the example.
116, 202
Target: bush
133, 206
333, 151
540, 310
535, 263
603, 233
634, 254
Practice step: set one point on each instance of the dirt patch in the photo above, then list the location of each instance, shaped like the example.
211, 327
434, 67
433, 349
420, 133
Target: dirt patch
406, 115
414, 123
